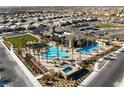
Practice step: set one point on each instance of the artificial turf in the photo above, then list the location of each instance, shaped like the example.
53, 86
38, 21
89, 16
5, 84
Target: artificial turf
19, 41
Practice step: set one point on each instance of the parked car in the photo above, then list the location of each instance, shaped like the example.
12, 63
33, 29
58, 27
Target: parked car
112, 55
108, 57
112, 58
117, 52
121, 50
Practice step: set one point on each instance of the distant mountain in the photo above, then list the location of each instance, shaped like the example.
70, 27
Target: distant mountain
15, 8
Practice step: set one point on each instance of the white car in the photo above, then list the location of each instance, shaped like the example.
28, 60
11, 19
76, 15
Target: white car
112, 55
112, 58
122, 44
122, 50
117, 52
107, 57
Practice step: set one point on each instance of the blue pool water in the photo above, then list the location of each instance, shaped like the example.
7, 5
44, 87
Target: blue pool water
1, 83
67, 69
88, 48
52, 53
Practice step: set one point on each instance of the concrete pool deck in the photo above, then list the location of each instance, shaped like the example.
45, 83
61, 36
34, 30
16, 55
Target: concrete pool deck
76, 56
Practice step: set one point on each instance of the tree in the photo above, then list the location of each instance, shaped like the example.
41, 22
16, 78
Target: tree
41, 49
67, 44
80, 44
38, 53
33, 50
72, 43
42, 37
46, 49
57, 45
87, 44
24, 45
20, 51
29, 47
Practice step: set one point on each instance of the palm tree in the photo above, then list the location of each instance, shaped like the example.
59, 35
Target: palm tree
29, 47
33, 49
57, 45
73, 41
90, 41
19, 51
67, 45
80, 43
43, 39
46, 49
41, 52
87, 43
38, 52
24, 46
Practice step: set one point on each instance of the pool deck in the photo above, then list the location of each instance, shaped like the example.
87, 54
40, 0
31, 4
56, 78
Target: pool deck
51, 65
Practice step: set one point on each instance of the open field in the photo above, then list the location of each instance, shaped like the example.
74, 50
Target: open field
19, 41
108, 25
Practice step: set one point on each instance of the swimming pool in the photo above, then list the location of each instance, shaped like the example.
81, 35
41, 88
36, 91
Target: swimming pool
88, 48
67, 69
1, 83
52, 53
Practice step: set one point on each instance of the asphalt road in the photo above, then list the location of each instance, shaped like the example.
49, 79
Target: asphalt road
112, 74
11, 71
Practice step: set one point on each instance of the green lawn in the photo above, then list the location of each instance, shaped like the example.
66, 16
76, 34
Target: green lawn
19, 41
108, 25
104, 25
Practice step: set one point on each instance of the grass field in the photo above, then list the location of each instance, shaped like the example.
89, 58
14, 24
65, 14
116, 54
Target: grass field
19, 41
108, 25
104, 25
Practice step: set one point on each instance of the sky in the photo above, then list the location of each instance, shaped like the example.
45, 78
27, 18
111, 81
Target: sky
61, 2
